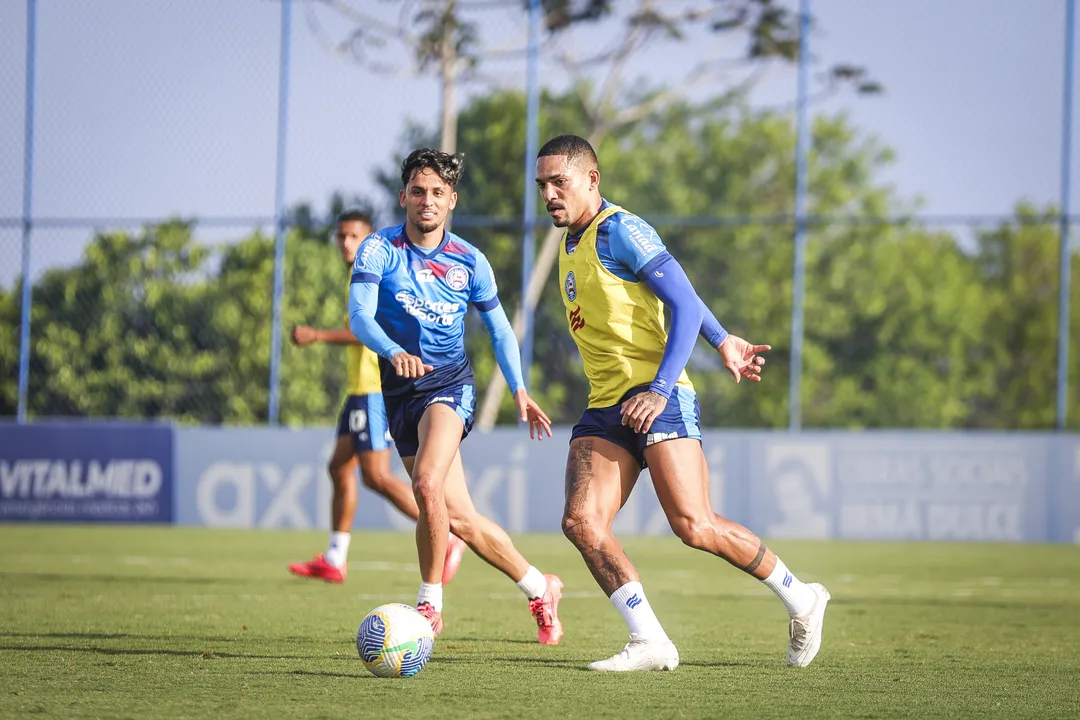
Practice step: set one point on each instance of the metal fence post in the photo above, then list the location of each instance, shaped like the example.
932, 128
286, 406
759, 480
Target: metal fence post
802, 144
279, 213
1063, 227
528, 223
27, 209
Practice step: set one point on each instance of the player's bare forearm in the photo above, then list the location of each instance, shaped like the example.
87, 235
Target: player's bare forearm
338, 337
306, 335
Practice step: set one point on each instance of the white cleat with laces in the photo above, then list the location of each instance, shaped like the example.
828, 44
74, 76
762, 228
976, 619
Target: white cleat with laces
804, 632
641, 654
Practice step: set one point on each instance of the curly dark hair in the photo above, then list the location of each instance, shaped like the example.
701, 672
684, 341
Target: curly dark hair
446, 166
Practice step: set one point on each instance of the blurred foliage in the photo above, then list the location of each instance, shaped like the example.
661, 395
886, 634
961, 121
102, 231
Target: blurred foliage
906, 326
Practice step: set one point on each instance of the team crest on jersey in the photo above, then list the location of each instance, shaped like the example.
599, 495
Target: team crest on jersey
571, 287
457, 277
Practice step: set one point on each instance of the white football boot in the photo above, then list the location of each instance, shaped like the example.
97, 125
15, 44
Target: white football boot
641, 654
805, 632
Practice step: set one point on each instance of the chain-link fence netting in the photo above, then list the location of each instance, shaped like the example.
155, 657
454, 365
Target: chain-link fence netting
12, 114
161, 148
10, 307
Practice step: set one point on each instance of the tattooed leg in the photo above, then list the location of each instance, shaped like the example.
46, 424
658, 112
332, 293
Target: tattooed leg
753, 564
599, 475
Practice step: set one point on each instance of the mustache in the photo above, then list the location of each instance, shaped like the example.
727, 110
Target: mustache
555, 206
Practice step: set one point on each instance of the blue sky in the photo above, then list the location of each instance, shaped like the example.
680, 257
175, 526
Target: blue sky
147, 108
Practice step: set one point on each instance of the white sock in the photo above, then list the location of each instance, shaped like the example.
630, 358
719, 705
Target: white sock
430, 593
630, 600
534, 584
337, 553
796, 595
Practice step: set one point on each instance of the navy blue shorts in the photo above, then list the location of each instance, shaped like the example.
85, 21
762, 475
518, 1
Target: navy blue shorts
404, 414
364, 418
680, 419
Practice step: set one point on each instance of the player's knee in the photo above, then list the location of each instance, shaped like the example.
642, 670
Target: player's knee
428, 489
694, 533
339, 474
375, 481
578, 530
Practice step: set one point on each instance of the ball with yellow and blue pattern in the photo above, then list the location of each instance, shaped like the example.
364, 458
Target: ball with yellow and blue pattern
395, 640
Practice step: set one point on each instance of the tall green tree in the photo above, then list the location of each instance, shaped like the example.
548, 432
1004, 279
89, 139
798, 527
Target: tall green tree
883, 303
1018, 262
117, 336
154, 324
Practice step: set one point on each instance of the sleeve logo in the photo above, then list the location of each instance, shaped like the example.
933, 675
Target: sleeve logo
373, 243
457, 277
641, 234
571, 286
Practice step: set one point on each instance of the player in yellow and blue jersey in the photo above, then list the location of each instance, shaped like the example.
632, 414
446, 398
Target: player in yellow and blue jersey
616, 277
363, 437
412, 285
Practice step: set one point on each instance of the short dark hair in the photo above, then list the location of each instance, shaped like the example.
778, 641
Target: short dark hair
574, 148
446, 166
354, 215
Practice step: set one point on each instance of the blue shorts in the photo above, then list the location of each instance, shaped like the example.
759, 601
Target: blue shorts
680, 419
364, 417
404, 414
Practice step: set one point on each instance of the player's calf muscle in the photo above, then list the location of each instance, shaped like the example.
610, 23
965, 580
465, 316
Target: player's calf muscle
753, 565
611, 570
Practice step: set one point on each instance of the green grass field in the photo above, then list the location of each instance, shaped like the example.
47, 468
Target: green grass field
123, 622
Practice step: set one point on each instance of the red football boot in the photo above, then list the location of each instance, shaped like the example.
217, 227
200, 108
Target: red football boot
434, 617
319, 568
546, 611
455, 550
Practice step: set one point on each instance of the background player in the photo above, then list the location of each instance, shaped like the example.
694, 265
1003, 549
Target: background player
421, 279
616, 277
362, 436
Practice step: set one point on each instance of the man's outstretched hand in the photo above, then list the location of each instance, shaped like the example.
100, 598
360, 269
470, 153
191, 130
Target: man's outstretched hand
742, 359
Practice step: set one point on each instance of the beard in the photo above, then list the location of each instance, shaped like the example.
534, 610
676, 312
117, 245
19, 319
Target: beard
560, 221
426, 226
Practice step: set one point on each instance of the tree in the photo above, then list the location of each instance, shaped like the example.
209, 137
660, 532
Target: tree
1018, 263
435, 35
116, 336
154, 325
10, 308
612, 107
868, 320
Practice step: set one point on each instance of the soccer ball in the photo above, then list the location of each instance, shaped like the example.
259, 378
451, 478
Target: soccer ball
395, 640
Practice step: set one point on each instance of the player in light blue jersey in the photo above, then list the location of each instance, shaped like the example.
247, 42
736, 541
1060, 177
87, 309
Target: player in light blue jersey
412, 285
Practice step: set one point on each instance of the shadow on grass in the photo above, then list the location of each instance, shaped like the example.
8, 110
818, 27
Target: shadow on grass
724, 664
205, 654
364, 675
560, 663
489, 641
951, 602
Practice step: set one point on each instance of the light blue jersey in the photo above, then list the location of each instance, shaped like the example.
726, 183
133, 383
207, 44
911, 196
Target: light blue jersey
625, 244
423, 297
